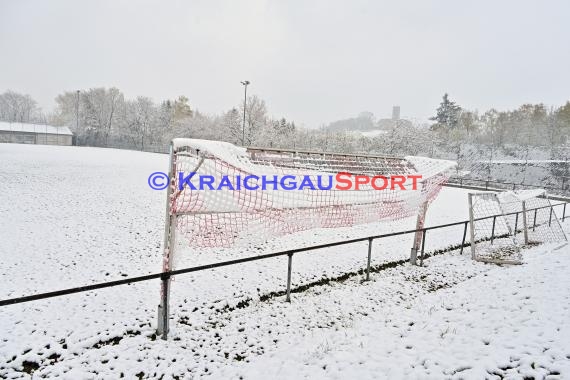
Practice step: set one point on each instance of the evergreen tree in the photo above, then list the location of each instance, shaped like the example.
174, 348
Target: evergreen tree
182, 109
448, 114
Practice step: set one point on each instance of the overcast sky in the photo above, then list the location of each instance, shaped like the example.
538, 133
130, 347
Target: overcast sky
312, 61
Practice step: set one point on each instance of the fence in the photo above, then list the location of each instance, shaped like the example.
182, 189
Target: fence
289, 253
126, 145
481, 184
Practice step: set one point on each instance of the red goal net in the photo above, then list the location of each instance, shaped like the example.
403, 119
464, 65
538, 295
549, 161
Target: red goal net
225, 210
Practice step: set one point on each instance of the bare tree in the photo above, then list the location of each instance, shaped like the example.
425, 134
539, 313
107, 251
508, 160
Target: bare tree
15, 107
140, 121
255, 118
232, 123
101, 107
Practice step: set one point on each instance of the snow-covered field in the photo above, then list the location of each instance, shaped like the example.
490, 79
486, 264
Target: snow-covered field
72, 216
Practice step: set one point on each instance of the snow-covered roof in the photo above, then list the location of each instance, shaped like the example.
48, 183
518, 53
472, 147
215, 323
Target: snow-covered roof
34, 128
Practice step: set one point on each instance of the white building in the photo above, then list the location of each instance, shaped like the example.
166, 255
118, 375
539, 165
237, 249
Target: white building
24, 133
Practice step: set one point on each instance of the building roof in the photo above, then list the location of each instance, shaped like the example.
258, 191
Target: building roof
34, 128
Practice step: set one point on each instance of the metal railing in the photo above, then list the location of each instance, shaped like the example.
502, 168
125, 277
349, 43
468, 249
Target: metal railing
289, 253
483, 184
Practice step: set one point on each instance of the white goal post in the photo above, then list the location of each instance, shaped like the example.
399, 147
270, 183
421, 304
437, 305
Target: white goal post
501, 223
213, 201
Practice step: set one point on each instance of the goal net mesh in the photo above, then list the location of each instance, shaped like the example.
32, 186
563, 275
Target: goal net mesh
501, 238
236, 216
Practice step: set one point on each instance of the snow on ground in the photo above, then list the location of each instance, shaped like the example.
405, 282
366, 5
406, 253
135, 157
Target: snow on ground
72, 216
509, 322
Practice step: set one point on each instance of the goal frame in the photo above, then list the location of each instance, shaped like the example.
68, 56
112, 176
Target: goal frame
172, 216
512, 230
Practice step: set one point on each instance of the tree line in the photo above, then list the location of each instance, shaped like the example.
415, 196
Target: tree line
529, 124
105, 117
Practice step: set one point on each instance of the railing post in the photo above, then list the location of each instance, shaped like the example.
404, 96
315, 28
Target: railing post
514, 184
564, 212
464, 236
471, 225
534, 219
369, 259
516, 223
550, 217
423, 246
289, 267
486, 185
493, 229
525, 223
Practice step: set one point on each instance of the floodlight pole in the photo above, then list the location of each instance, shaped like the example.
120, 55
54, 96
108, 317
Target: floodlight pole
245, 83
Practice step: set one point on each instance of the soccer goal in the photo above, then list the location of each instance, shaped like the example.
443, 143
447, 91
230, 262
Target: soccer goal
221, 195
503, 223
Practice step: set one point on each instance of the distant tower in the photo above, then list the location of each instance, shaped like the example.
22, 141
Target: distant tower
396, 113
